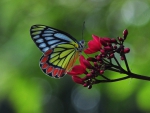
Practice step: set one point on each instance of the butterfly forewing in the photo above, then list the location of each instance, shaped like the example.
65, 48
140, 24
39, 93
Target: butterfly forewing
46, 37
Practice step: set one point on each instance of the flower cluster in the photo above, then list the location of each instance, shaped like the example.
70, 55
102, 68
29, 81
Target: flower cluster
94, 67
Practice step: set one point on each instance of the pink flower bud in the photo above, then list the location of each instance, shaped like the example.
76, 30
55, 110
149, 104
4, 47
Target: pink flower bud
108, 48
111, 55
122, 58
87, 64
103, 42
125, 33
77, 79
126, 50
107, 39
98, 57
85, 84
89, 75
95, 64
101, 72
102, 51
113, 40
120, 39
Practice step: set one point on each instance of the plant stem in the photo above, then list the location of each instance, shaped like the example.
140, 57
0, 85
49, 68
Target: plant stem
141, 77
113, 80
126, 63
130, 75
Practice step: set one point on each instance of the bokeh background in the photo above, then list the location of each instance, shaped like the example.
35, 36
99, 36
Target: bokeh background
25, 89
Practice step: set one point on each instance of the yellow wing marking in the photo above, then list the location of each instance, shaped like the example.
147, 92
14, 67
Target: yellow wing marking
61, 62
70, 45
67, 60
72, 60
64, 55
38, 29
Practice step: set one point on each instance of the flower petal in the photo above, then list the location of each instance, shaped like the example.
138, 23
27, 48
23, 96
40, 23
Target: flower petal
88, 51
77, 79
81, 58
77, 70
93, 45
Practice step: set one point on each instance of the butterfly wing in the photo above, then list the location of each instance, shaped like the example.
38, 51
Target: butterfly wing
57, 62
59, 48
47, 37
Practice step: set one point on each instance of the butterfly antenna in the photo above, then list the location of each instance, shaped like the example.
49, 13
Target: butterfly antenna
83, 27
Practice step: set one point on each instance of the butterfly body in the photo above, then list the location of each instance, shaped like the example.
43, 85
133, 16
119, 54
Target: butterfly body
60, 50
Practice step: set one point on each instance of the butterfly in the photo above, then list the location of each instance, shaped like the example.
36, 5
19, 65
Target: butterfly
60, 49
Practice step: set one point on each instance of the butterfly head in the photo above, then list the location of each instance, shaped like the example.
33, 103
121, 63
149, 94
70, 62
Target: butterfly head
81, 45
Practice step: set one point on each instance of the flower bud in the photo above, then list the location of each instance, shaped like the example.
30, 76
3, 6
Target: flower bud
89, 75
122, 58
87, 64
113, 40
102, 51
77, 79
103, 42
95, 64
125, 33
120, 39
98, 57
126, 50
108, 48
107, 39
101, 72
111, 55
85, 84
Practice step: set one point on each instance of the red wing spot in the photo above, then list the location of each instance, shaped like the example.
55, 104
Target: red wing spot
44, 66
55, 71
49, 69
44, 59
61, 72
48, 52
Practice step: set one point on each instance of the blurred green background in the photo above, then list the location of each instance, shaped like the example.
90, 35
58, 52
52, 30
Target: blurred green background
23, 86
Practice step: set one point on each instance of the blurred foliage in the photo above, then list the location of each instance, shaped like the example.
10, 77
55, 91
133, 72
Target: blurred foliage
25, 89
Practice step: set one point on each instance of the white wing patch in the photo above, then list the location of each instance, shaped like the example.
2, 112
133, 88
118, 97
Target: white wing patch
37, 36
47, 35
52, 41
42, 45
45, 49
39, 40
49, 38
62, 36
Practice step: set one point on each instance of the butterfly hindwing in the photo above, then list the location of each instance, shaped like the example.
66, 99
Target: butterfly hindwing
57, 61
50, 69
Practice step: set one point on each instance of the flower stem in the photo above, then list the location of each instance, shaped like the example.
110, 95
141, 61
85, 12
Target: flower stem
112, 80
126, 63
141, 77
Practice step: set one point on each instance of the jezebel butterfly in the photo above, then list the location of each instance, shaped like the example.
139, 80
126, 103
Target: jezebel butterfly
60, 50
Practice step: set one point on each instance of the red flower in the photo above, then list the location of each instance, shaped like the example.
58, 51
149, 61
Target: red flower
79, 69
93, 45
77, 79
